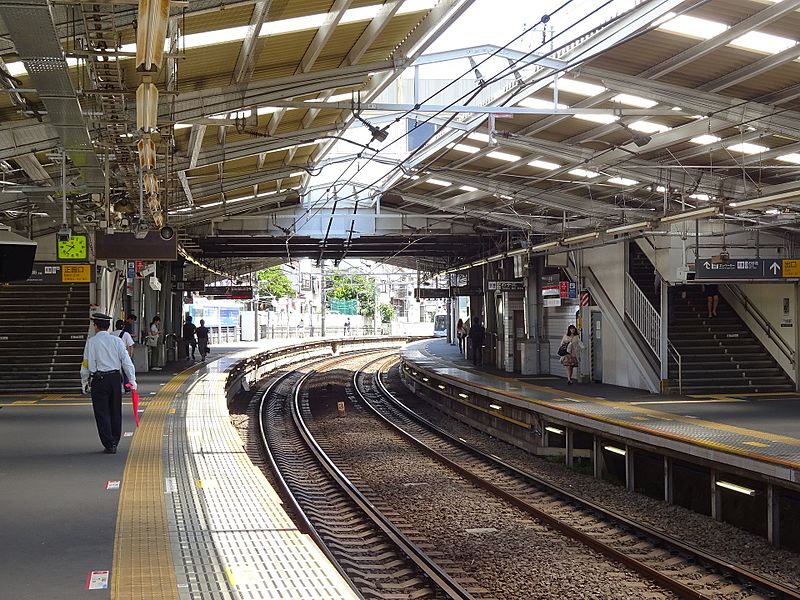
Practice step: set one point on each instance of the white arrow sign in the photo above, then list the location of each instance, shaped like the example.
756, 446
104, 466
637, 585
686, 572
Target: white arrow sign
707, 265
775, 268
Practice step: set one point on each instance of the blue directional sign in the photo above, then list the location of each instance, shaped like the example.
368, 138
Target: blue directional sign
743, 268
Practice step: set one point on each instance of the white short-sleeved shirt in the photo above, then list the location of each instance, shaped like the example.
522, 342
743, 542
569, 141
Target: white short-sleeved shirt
105, 352
125, 337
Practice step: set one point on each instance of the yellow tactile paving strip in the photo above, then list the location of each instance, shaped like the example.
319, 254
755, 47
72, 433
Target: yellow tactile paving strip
142, 566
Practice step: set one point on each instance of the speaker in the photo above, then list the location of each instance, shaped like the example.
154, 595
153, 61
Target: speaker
16, 256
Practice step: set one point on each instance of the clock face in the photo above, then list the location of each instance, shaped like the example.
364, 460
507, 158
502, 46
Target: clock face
74, 249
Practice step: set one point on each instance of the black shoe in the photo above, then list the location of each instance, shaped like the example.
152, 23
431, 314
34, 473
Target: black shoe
111, 450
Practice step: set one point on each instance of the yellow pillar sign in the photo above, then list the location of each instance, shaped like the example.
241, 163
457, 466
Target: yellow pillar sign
791, 268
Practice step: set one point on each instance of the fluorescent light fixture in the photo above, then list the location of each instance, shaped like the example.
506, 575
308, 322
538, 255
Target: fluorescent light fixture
545, 246
584, 173
704, 139
543, 164
582, 238
747, 148
441, 387
581, 88
439, 182
460, 395
690, 214
784, 196
555, 430
602, 118
503, 156
762, 42
629, 227
648, 127
413, 372
622, 181
736, 488
772, 211
424, 379
615, 450
468, 188
793, 158
634, 101
465, 148
496, 407
693, 27
538, 103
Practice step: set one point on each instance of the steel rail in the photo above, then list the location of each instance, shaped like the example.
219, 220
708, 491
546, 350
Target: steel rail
777, 588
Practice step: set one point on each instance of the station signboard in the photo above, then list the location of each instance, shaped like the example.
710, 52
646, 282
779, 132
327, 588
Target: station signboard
193, 285
506, 286
465, 290
431, 293
60, 274
770, 269
229, 292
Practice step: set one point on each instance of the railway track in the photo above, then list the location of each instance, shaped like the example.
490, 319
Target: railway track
685, 570
370, 546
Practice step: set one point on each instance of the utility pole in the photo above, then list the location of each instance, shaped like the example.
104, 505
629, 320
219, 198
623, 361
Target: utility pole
322, 294
375, 316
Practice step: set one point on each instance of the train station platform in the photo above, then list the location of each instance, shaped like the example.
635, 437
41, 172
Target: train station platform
180, 512
757, 433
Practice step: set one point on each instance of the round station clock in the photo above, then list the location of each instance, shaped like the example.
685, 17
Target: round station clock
73, 249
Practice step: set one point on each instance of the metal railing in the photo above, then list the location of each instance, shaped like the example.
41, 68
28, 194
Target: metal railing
642, 314
676, 356
763, 323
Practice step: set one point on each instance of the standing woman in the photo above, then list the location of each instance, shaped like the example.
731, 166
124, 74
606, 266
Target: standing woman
460, 334
573, 346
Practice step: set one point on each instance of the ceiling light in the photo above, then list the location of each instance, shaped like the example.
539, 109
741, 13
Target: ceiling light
746, 148
441, 387
635, 101
703, 197
545, 245
615, 450
503, 156
603, 118
622, 181
648, 127
773, 211
461, 395
465, 148
440, 182
793, 158
784, 196
543, 164
584, 173
574, 86
468, 188
736, 488
705, 139
629, 227
690, 214
582, 238
555, 430
495, 406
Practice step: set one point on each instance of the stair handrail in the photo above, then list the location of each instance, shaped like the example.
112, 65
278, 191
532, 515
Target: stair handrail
642, 314
763, 323
676, 356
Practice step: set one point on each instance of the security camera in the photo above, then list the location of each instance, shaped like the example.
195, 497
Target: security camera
90, 218
141, 231
64, 234
124, 223
166, 232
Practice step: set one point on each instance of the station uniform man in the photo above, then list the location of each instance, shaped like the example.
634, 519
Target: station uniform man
103, 358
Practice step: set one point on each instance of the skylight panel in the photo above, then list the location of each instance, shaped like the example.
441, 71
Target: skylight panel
705, 139
622, 181
468, 188
603, 118
648, 127
793, 158
763, 42
543, 164
703, 197
503, 156
575, 86
634, 101
693, 27
479, 137
539, 103
440, 182
410, 6
746, 148
465, 148
584, 173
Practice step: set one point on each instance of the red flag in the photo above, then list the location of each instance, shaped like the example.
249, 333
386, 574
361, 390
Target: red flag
135, 398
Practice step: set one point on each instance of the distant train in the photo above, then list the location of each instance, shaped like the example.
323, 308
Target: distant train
440, 325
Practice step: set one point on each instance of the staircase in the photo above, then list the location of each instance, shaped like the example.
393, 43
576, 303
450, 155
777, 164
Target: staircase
644, 274
719, 355
42, 335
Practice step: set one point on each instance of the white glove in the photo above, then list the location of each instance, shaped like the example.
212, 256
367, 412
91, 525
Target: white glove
85, 388
133, 385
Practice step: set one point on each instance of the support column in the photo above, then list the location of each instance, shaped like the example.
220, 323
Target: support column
597, 457
773, 516
630, 482
668, 486
716, 498
322, 296
797, 336
663, 351
570, 443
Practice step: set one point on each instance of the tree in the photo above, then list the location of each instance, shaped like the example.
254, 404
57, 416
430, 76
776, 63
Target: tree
354, 287
387, 313
274, 282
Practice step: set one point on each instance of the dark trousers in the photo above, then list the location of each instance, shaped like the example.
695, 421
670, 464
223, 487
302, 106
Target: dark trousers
202, 346
477, 352
190, 344
107, 404
461, 344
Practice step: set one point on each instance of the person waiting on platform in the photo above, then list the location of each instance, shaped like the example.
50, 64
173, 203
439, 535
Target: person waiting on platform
202, 339
476, 335
571, 344
189, 343
129, 344
711, 292
103, 358
460, 334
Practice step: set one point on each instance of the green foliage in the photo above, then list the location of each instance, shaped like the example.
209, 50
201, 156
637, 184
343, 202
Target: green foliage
354, 287
274, 282
387, 313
